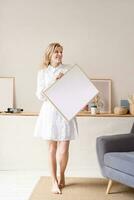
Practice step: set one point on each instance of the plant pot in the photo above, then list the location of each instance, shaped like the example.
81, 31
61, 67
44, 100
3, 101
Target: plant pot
93, 110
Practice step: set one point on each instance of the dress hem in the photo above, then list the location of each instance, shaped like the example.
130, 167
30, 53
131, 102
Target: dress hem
54, 139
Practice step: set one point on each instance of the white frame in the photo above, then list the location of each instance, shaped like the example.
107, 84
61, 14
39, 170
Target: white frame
71, 93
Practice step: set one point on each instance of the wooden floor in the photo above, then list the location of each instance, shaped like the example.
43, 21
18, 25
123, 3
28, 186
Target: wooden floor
17, 185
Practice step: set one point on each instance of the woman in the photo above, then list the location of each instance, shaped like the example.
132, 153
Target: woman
51, 125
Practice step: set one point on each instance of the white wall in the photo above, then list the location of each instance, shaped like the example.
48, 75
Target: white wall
96, 34
19, 150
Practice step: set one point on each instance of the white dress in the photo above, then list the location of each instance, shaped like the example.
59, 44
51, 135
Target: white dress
50, 124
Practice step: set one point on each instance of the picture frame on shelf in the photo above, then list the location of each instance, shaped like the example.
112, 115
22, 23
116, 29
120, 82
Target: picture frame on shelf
7, 85
104, 87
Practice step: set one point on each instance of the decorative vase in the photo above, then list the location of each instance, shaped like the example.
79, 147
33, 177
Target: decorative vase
132, 108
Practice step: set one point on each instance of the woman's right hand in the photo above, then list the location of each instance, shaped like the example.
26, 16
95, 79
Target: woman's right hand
59, 76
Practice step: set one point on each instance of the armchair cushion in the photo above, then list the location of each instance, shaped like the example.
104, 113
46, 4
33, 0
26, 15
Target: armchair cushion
121, 161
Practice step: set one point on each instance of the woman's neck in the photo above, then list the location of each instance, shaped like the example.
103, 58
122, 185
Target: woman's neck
54, 64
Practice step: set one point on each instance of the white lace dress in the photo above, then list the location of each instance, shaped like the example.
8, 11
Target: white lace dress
50, 124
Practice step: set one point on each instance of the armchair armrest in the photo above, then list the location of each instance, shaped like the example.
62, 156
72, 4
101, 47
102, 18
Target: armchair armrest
132, 129
113, 143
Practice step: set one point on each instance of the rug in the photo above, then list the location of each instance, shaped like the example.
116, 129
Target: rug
81, 189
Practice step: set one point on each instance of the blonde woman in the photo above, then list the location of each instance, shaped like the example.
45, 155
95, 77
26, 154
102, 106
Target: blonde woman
51, 125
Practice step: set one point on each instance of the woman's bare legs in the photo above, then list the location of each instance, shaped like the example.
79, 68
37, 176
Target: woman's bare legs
63, 159
53, 166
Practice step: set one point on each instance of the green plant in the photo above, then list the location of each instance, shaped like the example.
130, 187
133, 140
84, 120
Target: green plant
97, 102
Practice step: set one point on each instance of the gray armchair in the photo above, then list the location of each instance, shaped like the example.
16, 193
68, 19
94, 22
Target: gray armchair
116, 158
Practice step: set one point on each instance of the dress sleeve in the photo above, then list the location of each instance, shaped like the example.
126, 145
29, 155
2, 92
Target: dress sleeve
41, 86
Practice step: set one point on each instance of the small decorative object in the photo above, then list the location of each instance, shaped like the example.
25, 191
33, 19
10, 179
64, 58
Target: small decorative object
131, 103
85, 108
132, 109
120, 110
124, 103
14, 110
93, 109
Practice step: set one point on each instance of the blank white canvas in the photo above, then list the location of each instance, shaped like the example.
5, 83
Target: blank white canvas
72, 92
6, 93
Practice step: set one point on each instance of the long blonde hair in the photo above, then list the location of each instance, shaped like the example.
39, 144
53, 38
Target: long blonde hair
48, 54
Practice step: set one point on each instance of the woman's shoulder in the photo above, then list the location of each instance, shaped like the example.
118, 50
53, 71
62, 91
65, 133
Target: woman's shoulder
41, 73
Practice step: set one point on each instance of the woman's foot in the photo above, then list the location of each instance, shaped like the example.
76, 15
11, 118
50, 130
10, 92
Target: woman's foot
61, 182
55, 188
